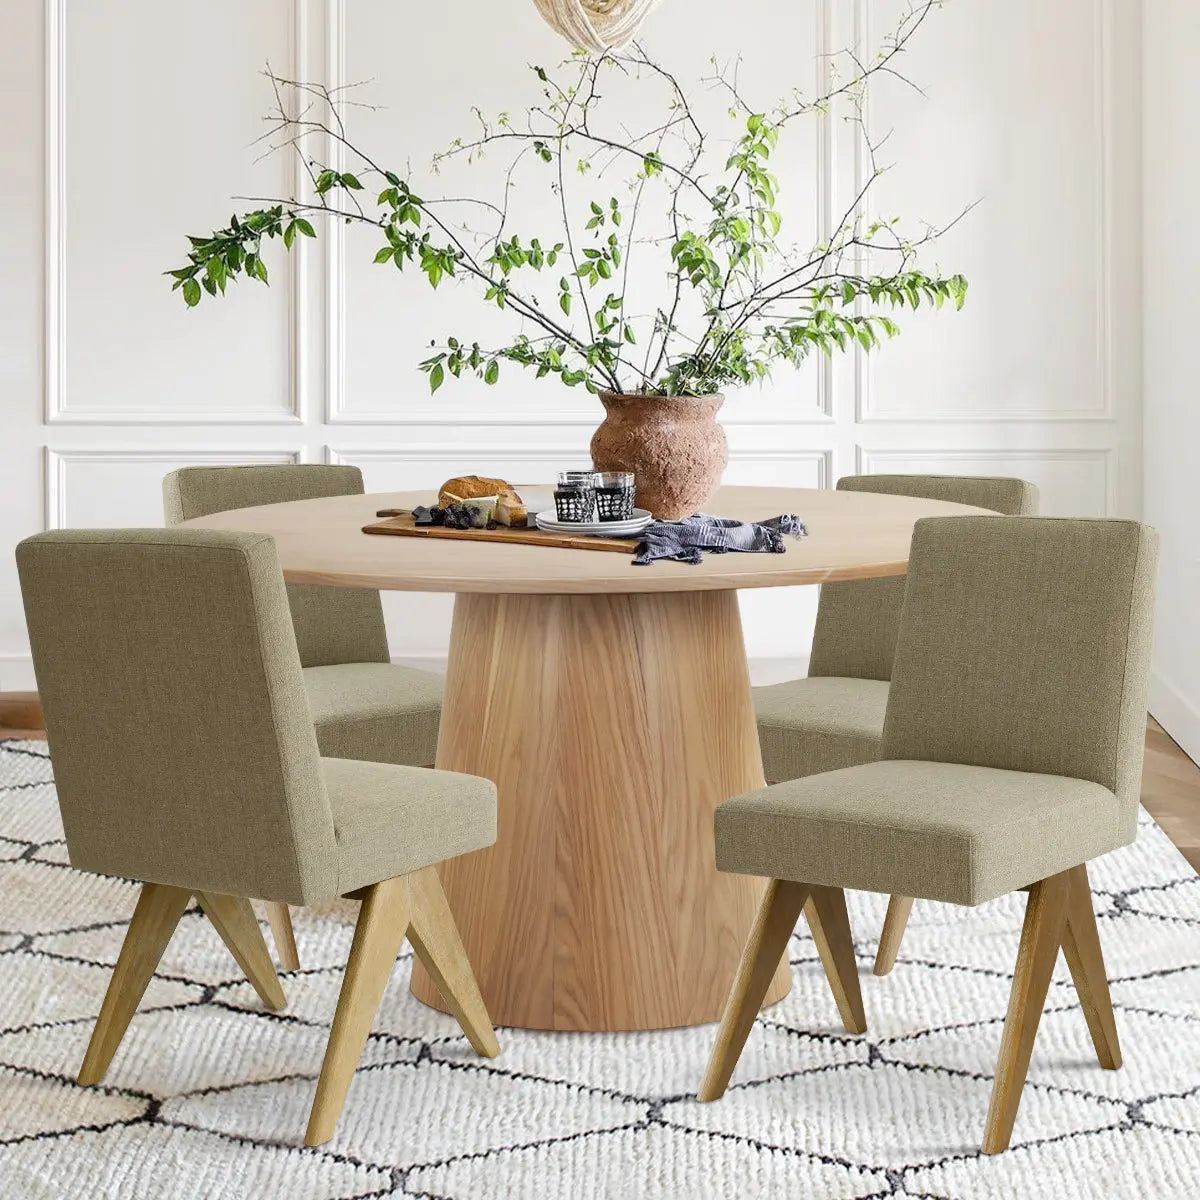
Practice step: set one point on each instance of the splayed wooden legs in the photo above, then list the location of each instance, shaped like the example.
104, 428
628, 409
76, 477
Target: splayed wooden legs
158, 910
236, 923
894, 923
1081, 945
412, 904
767, 944
280, 918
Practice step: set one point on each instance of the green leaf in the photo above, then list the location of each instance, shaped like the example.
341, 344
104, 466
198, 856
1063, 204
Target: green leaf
564, 302
289, 234
351, 181
191, 293
305, 228
492, 373
382, 256
437, 377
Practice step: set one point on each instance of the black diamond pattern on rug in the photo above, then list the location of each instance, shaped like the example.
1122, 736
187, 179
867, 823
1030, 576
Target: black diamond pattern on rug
208, 1096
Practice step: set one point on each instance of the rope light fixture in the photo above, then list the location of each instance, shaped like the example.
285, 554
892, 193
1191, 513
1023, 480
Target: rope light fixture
596, 25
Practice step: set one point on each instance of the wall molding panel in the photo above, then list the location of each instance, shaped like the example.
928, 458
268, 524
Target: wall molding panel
877, 462
58, 463
339, 407
1058, 172
57, 407
1100, 42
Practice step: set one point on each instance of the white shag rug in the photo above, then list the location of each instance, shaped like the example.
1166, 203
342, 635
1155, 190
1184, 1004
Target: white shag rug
208, 1096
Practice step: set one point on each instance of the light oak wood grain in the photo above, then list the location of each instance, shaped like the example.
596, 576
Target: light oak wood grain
1041, 936
894, 924
235, 921
280, 919
20, 712
852, 535
436, 940
830, 925
382, 921
404, 526
613, 726
1081, 945
412, 904
158, 910
765, 948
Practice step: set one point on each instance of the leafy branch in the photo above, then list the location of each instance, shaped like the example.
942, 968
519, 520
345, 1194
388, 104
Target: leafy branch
737, 300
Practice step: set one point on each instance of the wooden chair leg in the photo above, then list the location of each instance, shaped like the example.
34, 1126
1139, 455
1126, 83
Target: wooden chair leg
894, 924
236, 923
777, 916
435, 939
158, 910
280, 919
382, 923
835, 944
1041, 936
1081, 944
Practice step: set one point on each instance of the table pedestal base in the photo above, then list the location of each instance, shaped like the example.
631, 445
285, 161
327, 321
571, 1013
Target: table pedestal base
613, 726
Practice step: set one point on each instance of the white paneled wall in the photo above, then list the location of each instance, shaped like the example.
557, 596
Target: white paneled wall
127, 131
1172, 413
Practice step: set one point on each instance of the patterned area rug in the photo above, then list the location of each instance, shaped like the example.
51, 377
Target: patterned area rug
208, 1095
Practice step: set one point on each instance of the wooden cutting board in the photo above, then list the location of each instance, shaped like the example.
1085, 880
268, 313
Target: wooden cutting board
402, 526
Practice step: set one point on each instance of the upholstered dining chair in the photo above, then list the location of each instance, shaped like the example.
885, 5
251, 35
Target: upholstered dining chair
363, 707
1011, 755
834, 717
185, 757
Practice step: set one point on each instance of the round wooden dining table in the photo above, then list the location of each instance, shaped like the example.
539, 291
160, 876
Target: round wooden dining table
611, 705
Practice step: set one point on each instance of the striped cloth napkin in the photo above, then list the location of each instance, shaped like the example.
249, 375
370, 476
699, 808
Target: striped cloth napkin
689, 539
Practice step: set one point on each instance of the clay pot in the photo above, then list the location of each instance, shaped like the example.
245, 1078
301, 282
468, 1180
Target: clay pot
672, 444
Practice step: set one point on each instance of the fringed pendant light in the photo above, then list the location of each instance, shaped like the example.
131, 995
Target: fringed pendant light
596, 25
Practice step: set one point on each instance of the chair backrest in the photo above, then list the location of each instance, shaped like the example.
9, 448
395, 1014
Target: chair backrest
333, 625
855, 634
179, 730
1025, 644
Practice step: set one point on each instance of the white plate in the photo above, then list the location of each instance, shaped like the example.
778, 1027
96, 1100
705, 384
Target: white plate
548, 520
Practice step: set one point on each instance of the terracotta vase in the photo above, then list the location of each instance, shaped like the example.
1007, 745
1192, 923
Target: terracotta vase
672, 444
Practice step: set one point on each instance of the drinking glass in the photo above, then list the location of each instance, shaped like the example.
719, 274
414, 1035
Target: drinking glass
614, 495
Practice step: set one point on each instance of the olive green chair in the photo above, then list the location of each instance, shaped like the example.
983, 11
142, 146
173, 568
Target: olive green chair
185, 757
362, 706
834, 717
1011, 755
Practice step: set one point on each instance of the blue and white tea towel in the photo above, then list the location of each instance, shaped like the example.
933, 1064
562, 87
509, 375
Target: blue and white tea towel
689, 539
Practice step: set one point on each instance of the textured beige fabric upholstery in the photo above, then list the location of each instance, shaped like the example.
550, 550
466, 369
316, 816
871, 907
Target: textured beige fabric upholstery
375, 711
391, 820
819, 724
855, 633
834, 718
1024, 648
937, 830
362, 705
333, 625
184, 751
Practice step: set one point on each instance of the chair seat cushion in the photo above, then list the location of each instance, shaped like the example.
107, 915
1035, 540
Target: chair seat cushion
822, 723
389, 820
941, 831
375, 711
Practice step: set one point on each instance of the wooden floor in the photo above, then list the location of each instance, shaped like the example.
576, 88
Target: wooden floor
1170, 781
1171, 791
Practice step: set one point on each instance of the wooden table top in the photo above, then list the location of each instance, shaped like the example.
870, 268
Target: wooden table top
851, 535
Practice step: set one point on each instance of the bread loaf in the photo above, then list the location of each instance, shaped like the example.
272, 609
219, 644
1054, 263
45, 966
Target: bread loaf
468, 487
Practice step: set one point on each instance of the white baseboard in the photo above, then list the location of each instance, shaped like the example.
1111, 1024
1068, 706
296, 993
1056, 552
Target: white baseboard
1176, 714
16, 673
